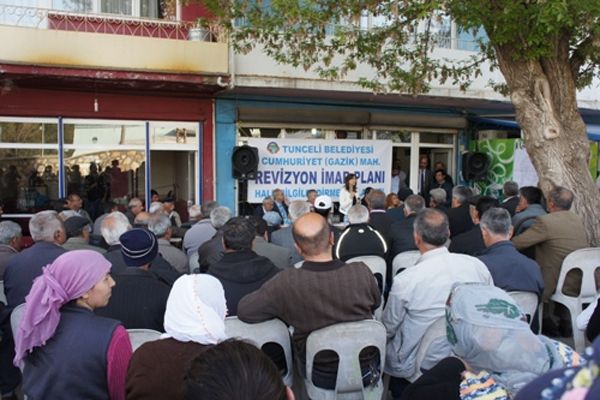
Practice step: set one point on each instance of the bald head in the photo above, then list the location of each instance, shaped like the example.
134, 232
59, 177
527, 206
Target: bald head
312, 236
142, 219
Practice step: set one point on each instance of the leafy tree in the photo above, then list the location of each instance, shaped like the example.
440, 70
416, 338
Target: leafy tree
545, 49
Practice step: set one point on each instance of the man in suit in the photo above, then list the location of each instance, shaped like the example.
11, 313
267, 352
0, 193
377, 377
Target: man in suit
530, 207
437, 200
425, 177
48, 232
397, 214
554, 236
511, 197
401, 232
511, 270
283, 237
471, 241
378, 218
280, 256
459, 215
212, 250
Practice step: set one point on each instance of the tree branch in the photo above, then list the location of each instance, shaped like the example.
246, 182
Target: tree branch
583, 51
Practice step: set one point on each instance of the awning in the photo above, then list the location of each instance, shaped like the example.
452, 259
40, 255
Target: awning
593, 131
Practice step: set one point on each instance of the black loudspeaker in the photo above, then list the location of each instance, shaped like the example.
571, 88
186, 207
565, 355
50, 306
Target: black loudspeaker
475, 166
244, 162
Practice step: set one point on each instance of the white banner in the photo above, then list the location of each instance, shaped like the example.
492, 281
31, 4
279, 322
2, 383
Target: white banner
298, 165
523, 171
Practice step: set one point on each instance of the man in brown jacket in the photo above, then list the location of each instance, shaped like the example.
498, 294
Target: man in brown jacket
322, 292
554, 236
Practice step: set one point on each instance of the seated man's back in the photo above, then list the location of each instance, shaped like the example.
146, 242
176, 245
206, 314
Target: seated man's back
321, 293
241, 270
418, 295
139, 298
359, 238
511, 270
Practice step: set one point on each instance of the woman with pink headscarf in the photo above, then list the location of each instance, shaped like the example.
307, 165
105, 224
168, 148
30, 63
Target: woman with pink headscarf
68, 351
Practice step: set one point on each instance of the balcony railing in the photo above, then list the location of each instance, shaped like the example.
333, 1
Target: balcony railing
41, 18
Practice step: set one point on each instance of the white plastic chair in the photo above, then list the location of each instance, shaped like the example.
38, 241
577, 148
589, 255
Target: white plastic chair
15, 320
587, 260
529, 303
347, 339
272, 331
404, 260
377, 266
2, 296
435, 333
140, 336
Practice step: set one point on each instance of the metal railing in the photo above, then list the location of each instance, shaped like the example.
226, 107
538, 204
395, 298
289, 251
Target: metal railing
42, 18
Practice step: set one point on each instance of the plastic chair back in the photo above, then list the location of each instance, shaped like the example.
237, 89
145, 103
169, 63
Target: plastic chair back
435, 333
2, 296
140, 336
347, 339
587, 260
404, 260
272, 331
15, 320
528, 302
378, 267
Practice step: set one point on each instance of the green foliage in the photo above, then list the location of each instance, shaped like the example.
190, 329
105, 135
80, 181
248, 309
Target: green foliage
331, 36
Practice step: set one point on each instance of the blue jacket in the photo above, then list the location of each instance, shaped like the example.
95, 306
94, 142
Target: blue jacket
511, 270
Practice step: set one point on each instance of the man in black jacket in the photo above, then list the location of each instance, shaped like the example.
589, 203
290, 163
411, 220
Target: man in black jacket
401, 232
471, 241
139, 298
240, 270
459, 215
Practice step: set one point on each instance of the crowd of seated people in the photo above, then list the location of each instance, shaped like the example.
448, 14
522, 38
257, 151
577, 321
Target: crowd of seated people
81, 298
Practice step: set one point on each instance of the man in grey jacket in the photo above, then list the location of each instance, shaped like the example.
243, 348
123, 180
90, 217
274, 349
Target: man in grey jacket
529, 207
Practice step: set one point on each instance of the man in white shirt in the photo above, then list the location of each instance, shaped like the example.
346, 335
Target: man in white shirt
418, 297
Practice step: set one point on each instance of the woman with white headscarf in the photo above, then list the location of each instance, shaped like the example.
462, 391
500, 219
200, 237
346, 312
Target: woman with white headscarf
495, 353
194, 319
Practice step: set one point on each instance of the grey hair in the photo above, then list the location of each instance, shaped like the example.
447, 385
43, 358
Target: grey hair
157, 206
194, 211
8, 231
511, 188
376, 199
297, 209
562, 197
43, 226
433, 227
113, 226
207, 208
461, 193
414, 203
134, 202
438, 195
358, 214
268, 198
159, 224
497, 221
219, 217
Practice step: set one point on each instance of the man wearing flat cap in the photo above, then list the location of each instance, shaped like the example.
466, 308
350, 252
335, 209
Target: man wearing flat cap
78, 235
139, 298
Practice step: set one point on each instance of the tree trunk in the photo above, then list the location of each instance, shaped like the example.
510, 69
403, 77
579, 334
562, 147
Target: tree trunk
543, 93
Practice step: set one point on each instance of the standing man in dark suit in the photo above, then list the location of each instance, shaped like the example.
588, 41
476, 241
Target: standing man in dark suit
425, 177
511, 197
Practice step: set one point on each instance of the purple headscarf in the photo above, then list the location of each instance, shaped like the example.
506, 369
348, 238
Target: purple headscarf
69, 277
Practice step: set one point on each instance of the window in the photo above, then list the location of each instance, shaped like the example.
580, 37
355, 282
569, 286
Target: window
134, 8
28, 165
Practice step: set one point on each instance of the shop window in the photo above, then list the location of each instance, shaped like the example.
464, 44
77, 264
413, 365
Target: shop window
104, 162
436, 138
28, 165
174, 133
